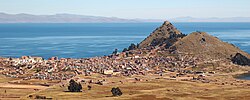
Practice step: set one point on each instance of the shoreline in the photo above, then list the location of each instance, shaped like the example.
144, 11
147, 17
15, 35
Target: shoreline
166, 65
242, 75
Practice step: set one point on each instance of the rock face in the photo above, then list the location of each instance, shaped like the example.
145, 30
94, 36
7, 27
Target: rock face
240, 60
166, 33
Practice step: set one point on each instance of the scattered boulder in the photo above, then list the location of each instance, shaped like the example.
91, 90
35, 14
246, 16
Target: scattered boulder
39, 97
99, 83
83, 81
30, 96
240, 59
89, 87
116, 91
137, 79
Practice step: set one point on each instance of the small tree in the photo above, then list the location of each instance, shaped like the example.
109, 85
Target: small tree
74, 86
116, 91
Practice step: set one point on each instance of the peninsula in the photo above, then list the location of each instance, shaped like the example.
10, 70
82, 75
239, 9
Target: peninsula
166, 65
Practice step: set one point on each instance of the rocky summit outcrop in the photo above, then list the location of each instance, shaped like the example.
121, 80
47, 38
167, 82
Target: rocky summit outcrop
241, 60
166, 33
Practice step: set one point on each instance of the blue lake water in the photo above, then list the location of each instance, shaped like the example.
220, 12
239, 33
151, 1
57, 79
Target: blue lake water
98, 39
244, 76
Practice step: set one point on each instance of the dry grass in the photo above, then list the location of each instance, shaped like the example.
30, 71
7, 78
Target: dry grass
15, 91
212, 47
150, 90
4, 79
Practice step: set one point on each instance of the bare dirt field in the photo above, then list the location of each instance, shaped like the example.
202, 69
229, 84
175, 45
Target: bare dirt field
15, 91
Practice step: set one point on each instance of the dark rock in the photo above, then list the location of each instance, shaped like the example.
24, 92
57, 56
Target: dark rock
30, 96
115, 52
132, 46
89, 87
137, 79
99, 83
124, 50
203, 40
40, 97
240, 59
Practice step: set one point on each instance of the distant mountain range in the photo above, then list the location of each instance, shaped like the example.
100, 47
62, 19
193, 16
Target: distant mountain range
72, 18
65, 18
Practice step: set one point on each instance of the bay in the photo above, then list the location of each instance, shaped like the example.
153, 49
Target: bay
83, 40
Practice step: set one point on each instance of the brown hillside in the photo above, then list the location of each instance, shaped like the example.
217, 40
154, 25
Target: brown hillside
161, 34
201, 43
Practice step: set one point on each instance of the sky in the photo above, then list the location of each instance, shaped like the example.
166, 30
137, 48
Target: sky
146, 9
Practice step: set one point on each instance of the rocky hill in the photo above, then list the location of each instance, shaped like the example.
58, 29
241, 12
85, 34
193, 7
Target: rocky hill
197, 43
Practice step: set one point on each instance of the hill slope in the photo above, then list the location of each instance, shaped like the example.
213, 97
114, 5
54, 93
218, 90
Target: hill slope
201, 43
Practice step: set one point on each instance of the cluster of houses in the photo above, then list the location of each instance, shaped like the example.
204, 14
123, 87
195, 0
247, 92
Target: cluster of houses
28, 67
